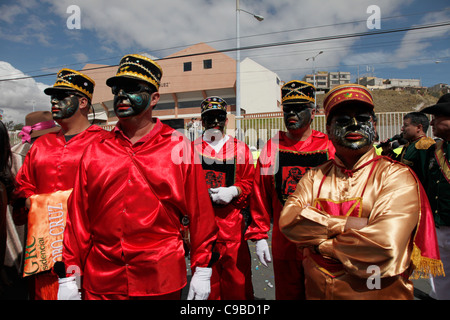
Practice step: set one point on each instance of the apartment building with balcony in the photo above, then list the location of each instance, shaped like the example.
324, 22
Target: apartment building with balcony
326, 80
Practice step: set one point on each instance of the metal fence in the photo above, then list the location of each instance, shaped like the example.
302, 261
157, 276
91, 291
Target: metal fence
264, 128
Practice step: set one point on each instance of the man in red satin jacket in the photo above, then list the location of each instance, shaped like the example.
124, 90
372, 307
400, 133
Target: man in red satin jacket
52, 161
282, 162
130, 195
229, 170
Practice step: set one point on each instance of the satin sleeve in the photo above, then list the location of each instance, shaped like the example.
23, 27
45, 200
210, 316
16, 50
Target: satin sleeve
261, 198
385, 242
202, 227
245, 171
77, 235
25, 179
304, 224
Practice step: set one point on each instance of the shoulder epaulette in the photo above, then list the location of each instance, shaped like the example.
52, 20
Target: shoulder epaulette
424, 143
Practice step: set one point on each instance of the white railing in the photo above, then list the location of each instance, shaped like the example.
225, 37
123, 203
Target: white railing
389, 124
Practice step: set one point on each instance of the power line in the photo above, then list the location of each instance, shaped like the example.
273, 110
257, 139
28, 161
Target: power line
272, 33
273, 44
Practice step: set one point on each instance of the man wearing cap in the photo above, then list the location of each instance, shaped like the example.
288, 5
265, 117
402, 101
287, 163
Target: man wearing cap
123, 231
282, 162
436, 170
229, 170
50, 165
362, 220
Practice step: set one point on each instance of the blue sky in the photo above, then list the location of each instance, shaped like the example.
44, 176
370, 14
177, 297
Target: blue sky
36, 40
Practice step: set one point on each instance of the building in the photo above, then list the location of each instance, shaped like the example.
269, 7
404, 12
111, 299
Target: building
260, 88
442, 88
191, 75
380, 83
338, 78
327, 80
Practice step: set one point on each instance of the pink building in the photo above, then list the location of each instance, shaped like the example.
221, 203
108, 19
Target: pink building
189, 76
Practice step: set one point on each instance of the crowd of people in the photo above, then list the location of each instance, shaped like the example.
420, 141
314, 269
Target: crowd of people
109, 215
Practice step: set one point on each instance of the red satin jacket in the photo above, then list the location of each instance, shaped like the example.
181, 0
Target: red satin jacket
51, 163
123, 234
280, 166
231, 166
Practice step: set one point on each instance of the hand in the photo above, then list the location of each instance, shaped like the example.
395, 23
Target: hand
262, 252
223, 195
68, 289
200, 286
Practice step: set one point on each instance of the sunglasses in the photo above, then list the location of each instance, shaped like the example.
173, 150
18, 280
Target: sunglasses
130, 88
212, 117
295, 107
64, 94
345, 120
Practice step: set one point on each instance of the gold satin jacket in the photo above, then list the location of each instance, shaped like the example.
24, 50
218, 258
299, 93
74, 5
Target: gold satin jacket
377, 188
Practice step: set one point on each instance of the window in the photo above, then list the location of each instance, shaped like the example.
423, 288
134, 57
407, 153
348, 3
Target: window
207, 64
187, 66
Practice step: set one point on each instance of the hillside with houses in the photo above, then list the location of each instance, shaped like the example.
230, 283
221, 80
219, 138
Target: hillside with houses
398, 100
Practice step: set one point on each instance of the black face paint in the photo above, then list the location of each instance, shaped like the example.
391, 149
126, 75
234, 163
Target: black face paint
353, 132
297, 116
64, 105
131, 99
214, 122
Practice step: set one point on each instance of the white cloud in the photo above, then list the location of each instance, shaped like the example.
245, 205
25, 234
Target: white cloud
80, 57
154, 25
414, 43
17, 98
160, 28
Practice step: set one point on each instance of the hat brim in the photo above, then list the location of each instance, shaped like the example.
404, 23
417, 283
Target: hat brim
339, 106
439, 108
110, 82
216, 109
52, 90
298, 102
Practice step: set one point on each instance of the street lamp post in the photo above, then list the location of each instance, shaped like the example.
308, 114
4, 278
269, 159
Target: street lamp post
33, 102
314, 73
238, 65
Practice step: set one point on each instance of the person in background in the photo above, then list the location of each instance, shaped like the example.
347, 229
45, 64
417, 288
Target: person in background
362, 220
414, 130
436, 173
51, 164
282, 162
37, 123
6, 193
131, 193
229, 171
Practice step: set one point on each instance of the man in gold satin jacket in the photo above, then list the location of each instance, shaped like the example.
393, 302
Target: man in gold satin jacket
356, 217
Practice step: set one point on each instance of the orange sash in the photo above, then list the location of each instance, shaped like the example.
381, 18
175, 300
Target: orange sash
46, 224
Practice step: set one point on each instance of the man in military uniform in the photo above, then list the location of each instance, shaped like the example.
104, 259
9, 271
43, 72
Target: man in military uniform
414, 130
436, 170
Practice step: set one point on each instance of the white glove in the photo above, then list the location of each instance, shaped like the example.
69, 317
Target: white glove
262, 252
200, 286
223, 195
68, 289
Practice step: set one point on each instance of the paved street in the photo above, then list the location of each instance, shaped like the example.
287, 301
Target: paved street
264, 283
